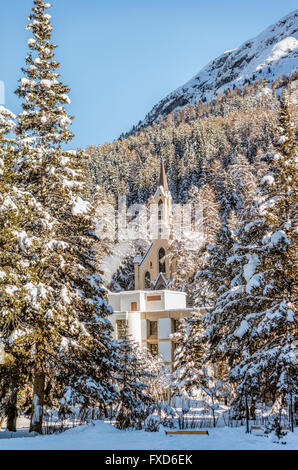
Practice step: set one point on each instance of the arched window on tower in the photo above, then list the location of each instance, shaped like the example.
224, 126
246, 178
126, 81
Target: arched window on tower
161, 260
147, 280
160, 210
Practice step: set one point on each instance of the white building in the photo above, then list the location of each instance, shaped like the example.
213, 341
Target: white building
151, 312
151, 316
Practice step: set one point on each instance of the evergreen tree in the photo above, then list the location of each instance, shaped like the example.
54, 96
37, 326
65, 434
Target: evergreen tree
69, 306
181, 258
198, 228
124, 278
211, 278
194, 373
104, 211
157, 379
188, 356
179, 338
252, 324
16, 211
85, 373
133, 391
244, 181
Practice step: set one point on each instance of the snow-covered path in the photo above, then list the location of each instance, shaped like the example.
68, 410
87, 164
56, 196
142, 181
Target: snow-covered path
103, 436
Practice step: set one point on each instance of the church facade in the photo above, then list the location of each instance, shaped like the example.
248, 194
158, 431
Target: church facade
151, 311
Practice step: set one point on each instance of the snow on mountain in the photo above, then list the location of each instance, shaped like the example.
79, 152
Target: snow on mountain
271, 54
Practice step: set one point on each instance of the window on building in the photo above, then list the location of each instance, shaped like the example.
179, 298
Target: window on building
152, 298
121, 329
147, 280
160, 210
153, 328
176, 324
161, 260
153, 348
134, 307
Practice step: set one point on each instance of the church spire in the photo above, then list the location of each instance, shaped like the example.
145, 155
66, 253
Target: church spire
163, 177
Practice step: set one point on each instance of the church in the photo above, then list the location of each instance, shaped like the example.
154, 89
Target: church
151, 311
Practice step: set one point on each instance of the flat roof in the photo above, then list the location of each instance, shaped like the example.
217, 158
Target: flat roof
154, 312
150, 292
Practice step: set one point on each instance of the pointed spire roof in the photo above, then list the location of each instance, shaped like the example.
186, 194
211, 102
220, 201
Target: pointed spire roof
163, 177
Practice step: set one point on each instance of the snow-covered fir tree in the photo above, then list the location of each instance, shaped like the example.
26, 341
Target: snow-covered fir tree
17, 209
105, 221
67, 310
188, 356
211, 277
181, 260
197, 227
179, 338
252, 323
8, 279
224, 188
244, 181
157, 380
134, 398
194, 374
124, 278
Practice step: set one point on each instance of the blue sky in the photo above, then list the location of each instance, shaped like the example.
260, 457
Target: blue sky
120, 57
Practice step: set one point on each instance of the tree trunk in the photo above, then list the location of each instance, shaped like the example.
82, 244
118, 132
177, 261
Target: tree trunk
252, 411
291, 413
2, 419
213, 415
12, 412
247, 414
213, 397
38, 399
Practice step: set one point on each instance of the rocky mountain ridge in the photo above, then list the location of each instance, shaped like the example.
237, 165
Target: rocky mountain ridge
271, 54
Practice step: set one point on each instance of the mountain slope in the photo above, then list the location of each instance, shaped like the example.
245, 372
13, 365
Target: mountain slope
271, 54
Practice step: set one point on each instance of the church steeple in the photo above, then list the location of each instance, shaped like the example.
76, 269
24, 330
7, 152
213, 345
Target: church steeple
163, 177
163, 199
155, 268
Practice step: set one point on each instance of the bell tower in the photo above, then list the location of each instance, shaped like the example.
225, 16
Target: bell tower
153, 271
163, 201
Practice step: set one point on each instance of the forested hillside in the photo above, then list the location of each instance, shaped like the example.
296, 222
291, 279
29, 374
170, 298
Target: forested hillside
194, 143
212, 155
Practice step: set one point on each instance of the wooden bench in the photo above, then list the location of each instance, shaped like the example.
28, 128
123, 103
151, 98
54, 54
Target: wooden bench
187, 432
257, 430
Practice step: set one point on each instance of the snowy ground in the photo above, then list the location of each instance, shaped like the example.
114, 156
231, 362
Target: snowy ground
103, 436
